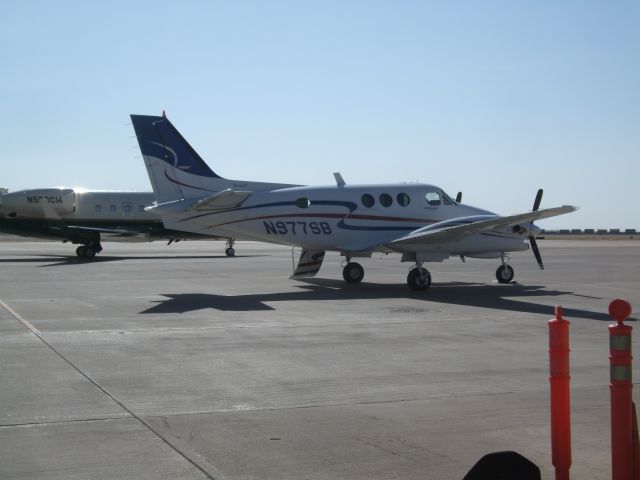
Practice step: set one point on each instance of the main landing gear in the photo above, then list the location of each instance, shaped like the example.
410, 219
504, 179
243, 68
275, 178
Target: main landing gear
230, 251
504, 273
89, 249
353, 272
419, 279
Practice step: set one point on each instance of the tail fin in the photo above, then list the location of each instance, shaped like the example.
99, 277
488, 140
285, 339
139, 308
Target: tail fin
175, 169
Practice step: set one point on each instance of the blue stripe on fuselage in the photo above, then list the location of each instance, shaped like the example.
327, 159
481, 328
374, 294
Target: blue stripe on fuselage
341, 224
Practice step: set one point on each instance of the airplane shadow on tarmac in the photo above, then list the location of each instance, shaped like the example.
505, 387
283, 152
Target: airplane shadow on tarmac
58, 260
494, 296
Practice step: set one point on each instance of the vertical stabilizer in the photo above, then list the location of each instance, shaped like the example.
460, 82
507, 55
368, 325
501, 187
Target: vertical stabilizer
175, 169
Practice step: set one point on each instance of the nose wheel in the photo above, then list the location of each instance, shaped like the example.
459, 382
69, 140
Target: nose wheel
504, 274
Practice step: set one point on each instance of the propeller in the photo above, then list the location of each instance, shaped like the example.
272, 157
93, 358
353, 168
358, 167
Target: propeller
532, 239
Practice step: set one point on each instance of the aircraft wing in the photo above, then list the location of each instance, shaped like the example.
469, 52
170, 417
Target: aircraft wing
455, 229
222, 200
119, 232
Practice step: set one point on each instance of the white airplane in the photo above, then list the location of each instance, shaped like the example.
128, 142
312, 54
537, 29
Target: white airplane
419, 221
85, 217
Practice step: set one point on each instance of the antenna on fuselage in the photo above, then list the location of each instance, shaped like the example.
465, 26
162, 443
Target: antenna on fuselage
339, 180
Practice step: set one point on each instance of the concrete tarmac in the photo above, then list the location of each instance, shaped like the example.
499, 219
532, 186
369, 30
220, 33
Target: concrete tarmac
176, 362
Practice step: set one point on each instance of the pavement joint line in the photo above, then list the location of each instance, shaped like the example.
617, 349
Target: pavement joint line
62, 422
19, 318
37, 333
333, 405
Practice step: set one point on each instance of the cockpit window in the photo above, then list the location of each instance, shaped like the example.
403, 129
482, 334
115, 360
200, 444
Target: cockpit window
447, 200
433, 199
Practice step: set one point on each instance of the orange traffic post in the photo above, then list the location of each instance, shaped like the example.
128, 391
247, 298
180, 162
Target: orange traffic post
621, 392
560, 400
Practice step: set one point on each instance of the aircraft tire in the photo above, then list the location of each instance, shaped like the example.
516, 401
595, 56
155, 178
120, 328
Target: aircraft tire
504, 274
415, 282
89, 252
80, 251
353, 272
230, 251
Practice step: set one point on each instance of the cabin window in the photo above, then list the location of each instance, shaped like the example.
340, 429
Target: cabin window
98, 208
303, 202
113, 208
403, 199
385, 199
368, 200
433, 199
141, 208
127, 207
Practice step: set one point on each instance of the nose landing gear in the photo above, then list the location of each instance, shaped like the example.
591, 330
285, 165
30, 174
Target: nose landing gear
504, 273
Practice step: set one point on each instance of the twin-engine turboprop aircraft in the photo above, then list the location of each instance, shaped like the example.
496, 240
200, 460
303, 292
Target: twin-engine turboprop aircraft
419, 221
86, 217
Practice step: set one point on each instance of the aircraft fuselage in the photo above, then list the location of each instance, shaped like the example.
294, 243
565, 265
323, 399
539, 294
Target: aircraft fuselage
345, 218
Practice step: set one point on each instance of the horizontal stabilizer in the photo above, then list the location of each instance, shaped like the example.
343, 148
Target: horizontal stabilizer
309, 263
223, 200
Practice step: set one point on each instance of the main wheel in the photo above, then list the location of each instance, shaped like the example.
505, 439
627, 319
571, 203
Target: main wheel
353, 273
418, 279
230, 251
89, 252
80, 251
504, 274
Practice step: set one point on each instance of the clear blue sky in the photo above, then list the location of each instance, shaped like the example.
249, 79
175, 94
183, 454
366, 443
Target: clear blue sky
492, 98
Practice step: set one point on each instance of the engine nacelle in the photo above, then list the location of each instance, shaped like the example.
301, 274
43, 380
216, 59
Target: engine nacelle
43, 202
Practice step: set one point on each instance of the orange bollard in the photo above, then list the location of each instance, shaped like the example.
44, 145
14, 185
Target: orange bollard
560, 399
636, 444
621, 390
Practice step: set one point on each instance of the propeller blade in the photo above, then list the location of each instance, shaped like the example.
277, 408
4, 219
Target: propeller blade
536, 251
459, 197
536, 202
